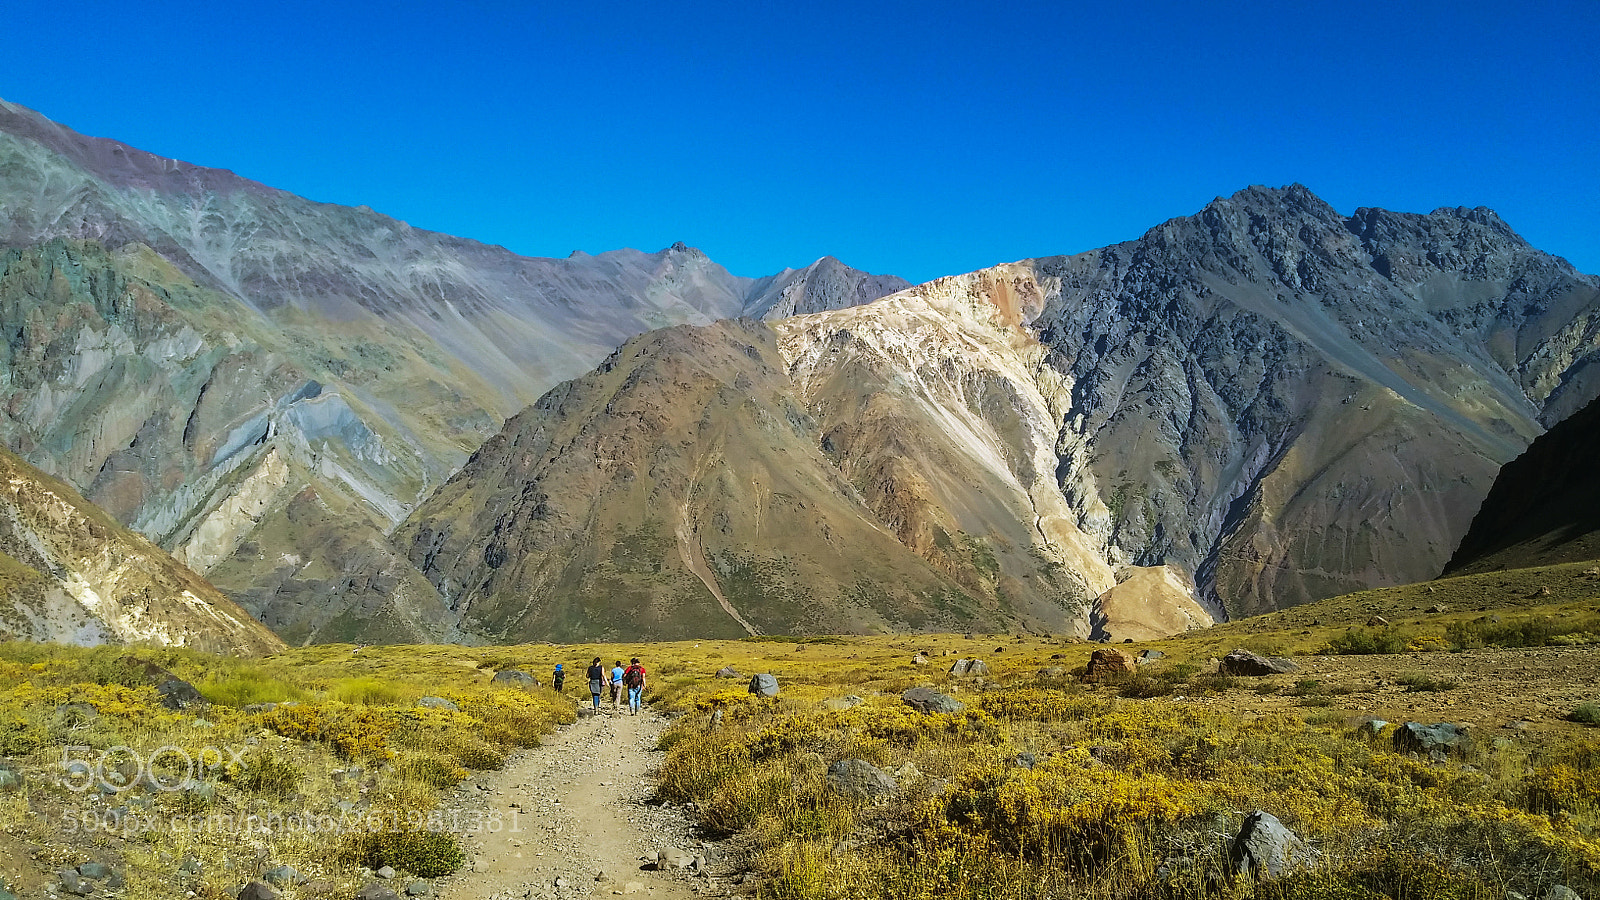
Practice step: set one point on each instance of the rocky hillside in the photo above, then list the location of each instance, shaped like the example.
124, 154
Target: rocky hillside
1290, 403
266, 385
1544, 507
71, 574
1252, 407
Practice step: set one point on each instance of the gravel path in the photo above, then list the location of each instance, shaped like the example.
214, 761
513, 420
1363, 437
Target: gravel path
572, 819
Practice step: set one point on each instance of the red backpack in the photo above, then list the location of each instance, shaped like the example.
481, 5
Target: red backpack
634, 676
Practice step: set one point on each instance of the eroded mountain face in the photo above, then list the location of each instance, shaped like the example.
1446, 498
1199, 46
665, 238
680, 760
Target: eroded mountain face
1291, 404
73, 575
267, 386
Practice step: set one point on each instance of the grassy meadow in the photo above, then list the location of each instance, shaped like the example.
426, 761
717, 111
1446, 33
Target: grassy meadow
1042, 786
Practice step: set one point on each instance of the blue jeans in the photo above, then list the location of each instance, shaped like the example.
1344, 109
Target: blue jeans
595, 688
633, 697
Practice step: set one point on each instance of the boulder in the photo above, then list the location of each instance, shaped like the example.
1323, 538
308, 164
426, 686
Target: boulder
438, 703
376, 890
1243, 662
1377, 622
514, 678
764, 685
1265, 847
1150, 656
177, 694
282, 876
928, 700
861, 780
969, 668
260, 890
728, 672
673, 858
919, 660
1437, 740
1109, 664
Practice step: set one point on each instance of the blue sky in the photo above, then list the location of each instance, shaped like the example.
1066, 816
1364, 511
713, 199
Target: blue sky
920, 139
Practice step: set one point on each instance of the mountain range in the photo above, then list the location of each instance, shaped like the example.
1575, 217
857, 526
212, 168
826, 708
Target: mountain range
364, 431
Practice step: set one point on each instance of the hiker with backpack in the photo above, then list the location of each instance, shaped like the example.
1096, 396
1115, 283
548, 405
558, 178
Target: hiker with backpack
597, 681
559, 679
616, 686
633, 679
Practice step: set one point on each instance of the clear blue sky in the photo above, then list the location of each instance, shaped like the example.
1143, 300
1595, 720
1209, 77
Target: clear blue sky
920, 139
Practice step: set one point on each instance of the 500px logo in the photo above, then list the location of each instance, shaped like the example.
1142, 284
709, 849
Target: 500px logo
120, 768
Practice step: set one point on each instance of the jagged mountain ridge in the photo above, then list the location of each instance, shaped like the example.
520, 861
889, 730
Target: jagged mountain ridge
267, 385
1291, 403
73, 575
1261, 404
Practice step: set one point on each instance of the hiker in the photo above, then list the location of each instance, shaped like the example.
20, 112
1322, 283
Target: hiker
597, 676
633, 680
559, 679
616, 686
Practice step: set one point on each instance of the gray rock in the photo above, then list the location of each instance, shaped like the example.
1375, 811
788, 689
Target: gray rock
1243, 662
764, 685
74, 884
177, 694
843, 703
1437, 740
259, 890
969, 668
928, 700
673, 858
1561, 892
728, 672
419, 888
385, 873
99, 871
376, 890
282, 876
1150, 656
1265, 847
10, 777
862, 780
514, 678
438, 703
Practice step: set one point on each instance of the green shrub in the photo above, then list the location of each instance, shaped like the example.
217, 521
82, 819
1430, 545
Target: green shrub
1361, 641
269, 775
372, 692
1586, 713
427, 854
433, 771
246, 687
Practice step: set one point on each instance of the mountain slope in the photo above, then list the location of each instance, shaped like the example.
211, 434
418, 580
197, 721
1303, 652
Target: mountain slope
1290, 403
677, 491
1252, 407
71, 574
267, 385
1544, 508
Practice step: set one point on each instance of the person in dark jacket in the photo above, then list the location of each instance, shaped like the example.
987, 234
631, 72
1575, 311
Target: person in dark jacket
559, 679
597, 681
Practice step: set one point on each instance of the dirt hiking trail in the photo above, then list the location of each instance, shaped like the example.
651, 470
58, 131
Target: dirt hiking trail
571, 819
